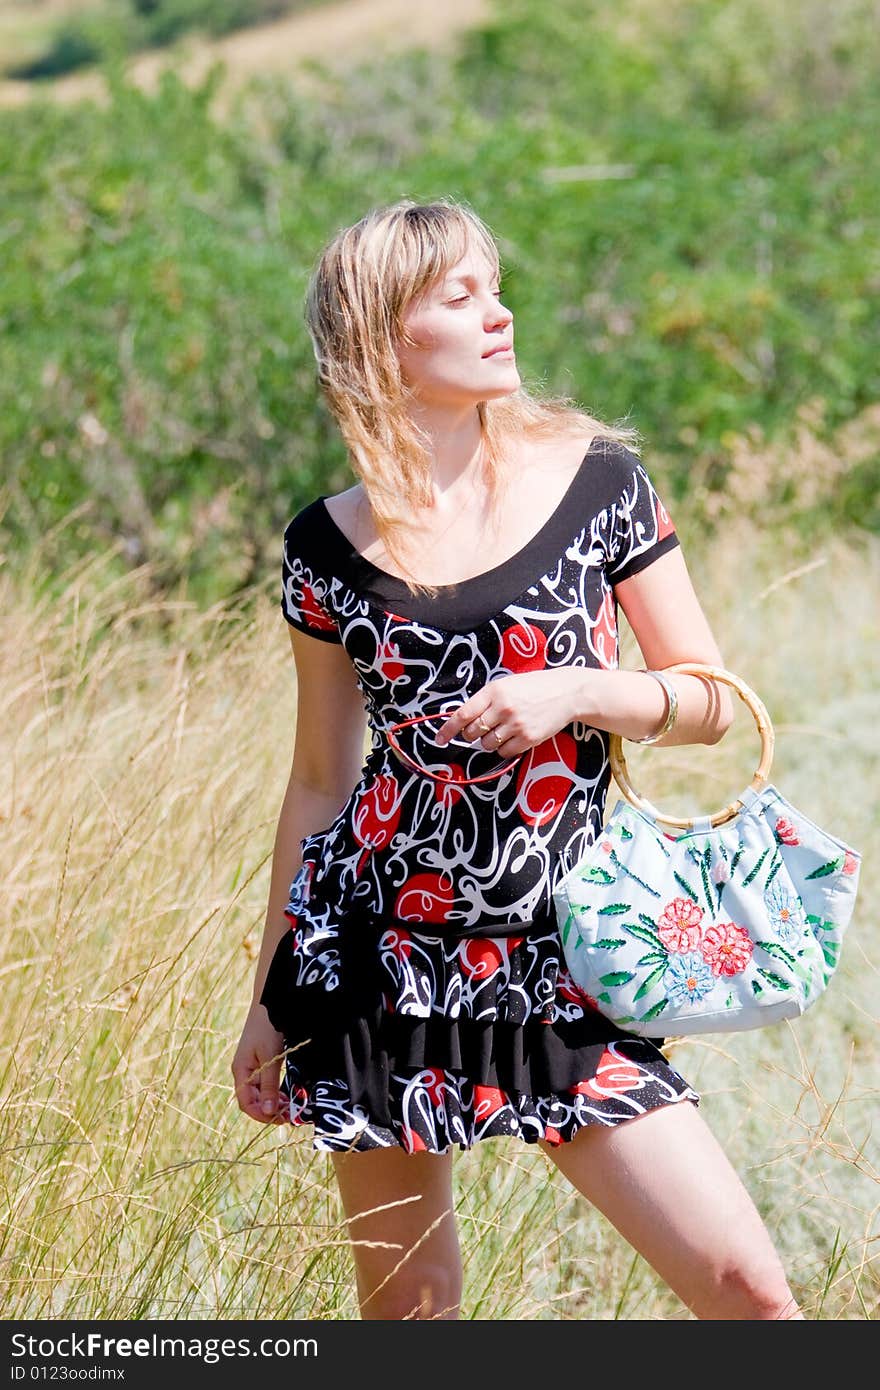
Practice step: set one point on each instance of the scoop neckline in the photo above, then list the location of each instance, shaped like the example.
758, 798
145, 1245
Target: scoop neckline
461, 585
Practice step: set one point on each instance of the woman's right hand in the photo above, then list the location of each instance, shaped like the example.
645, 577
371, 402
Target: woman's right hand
256, 1067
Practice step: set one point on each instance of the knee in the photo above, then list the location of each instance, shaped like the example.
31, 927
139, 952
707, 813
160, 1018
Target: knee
748, 1290
422, 1291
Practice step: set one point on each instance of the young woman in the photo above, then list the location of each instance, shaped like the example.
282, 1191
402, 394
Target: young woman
411, 976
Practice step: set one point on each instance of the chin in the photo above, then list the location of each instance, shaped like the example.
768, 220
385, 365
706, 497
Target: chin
499, 389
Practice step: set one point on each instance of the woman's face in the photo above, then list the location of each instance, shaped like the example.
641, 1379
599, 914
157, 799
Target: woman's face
462, 338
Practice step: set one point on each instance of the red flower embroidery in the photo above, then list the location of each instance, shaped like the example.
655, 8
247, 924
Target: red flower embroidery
727, 948
785, 832
850, 863
679, 925
614, 1075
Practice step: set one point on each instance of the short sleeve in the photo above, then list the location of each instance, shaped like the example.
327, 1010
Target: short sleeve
642, 530
305, 590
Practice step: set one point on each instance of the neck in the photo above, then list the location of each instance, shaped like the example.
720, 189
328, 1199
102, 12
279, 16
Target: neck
455, 441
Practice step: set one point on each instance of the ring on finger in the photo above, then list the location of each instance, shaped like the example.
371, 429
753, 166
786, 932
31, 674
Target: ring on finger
483, 727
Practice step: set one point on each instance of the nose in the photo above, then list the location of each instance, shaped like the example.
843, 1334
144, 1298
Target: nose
498, 316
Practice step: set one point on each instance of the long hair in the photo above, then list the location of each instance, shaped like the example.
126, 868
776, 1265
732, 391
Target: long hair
359, 292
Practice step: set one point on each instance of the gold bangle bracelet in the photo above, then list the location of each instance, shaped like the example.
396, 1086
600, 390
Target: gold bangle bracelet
671, 708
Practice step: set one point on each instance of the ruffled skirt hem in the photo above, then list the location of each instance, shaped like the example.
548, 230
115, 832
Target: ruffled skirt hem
399, 1038
434, 1110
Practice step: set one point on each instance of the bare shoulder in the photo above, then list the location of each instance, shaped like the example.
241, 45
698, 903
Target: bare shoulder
559, 456
344, 507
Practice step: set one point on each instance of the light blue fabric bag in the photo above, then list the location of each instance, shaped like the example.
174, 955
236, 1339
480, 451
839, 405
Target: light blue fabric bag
734, 922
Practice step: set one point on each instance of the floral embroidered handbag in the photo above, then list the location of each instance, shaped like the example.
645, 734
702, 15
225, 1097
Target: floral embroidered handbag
733, 922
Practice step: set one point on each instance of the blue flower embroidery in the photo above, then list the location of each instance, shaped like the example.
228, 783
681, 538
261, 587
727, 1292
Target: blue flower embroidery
688, 978
786, 912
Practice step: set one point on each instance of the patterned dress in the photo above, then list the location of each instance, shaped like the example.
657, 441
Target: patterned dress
421, 989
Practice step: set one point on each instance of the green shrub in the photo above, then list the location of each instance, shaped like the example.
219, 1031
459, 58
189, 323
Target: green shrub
703, 265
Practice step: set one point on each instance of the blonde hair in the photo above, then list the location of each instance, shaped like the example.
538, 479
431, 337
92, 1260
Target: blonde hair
359, 292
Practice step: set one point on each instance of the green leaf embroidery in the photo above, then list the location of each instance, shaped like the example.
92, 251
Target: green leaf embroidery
654, 1012
753, 873
568, 928
596, 875
770, 948
650, 982
604, 998
682, 883
831, 952
613, 909
706, 881
647, 921
617, 977
609, 943
775, 980
654, 958
772, 874
830, 868
757, 989
803, 972
644, 934
822, 923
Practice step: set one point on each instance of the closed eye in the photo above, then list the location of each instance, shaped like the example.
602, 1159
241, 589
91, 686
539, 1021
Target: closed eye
463, 299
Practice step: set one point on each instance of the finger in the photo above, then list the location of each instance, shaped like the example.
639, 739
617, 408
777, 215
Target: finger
251, 1103
494, 740
267, 1080
248, 1101
471, 727
453, 725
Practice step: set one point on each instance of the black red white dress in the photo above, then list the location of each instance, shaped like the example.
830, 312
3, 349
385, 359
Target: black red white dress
421, 989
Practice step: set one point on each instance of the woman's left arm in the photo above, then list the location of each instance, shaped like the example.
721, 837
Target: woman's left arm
670, 627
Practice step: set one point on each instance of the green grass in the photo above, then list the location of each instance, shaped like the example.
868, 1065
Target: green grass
143, 751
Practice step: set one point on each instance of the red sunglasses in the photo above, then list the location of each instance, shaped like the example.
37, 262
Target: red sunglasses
443, 777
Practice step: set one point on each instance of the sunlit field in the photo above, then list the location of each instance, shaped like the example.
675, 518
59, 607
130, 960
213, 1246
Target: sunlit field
145, 751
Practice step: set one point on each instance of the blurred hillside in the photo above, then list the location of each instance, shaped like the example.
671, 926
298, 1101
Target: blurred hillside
684, 198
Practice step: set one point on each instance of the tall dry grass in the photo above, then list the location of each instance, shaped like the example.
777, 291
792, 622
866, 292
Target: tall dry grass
146, 748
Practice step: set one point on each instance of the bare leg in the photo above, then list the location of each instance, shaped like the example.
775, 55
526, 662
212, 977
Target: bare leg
666, 1184
406, 1256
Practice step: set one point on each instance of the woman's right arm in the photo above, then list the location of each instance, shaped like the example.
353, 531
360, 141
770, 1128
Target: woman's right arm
328, 759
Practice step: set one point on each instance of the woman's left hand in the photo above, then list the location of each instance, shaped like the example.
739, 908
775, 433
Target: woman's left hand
514, 713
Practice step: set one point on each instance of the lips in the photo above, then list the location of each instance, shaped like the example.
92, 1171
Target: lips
502, 347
